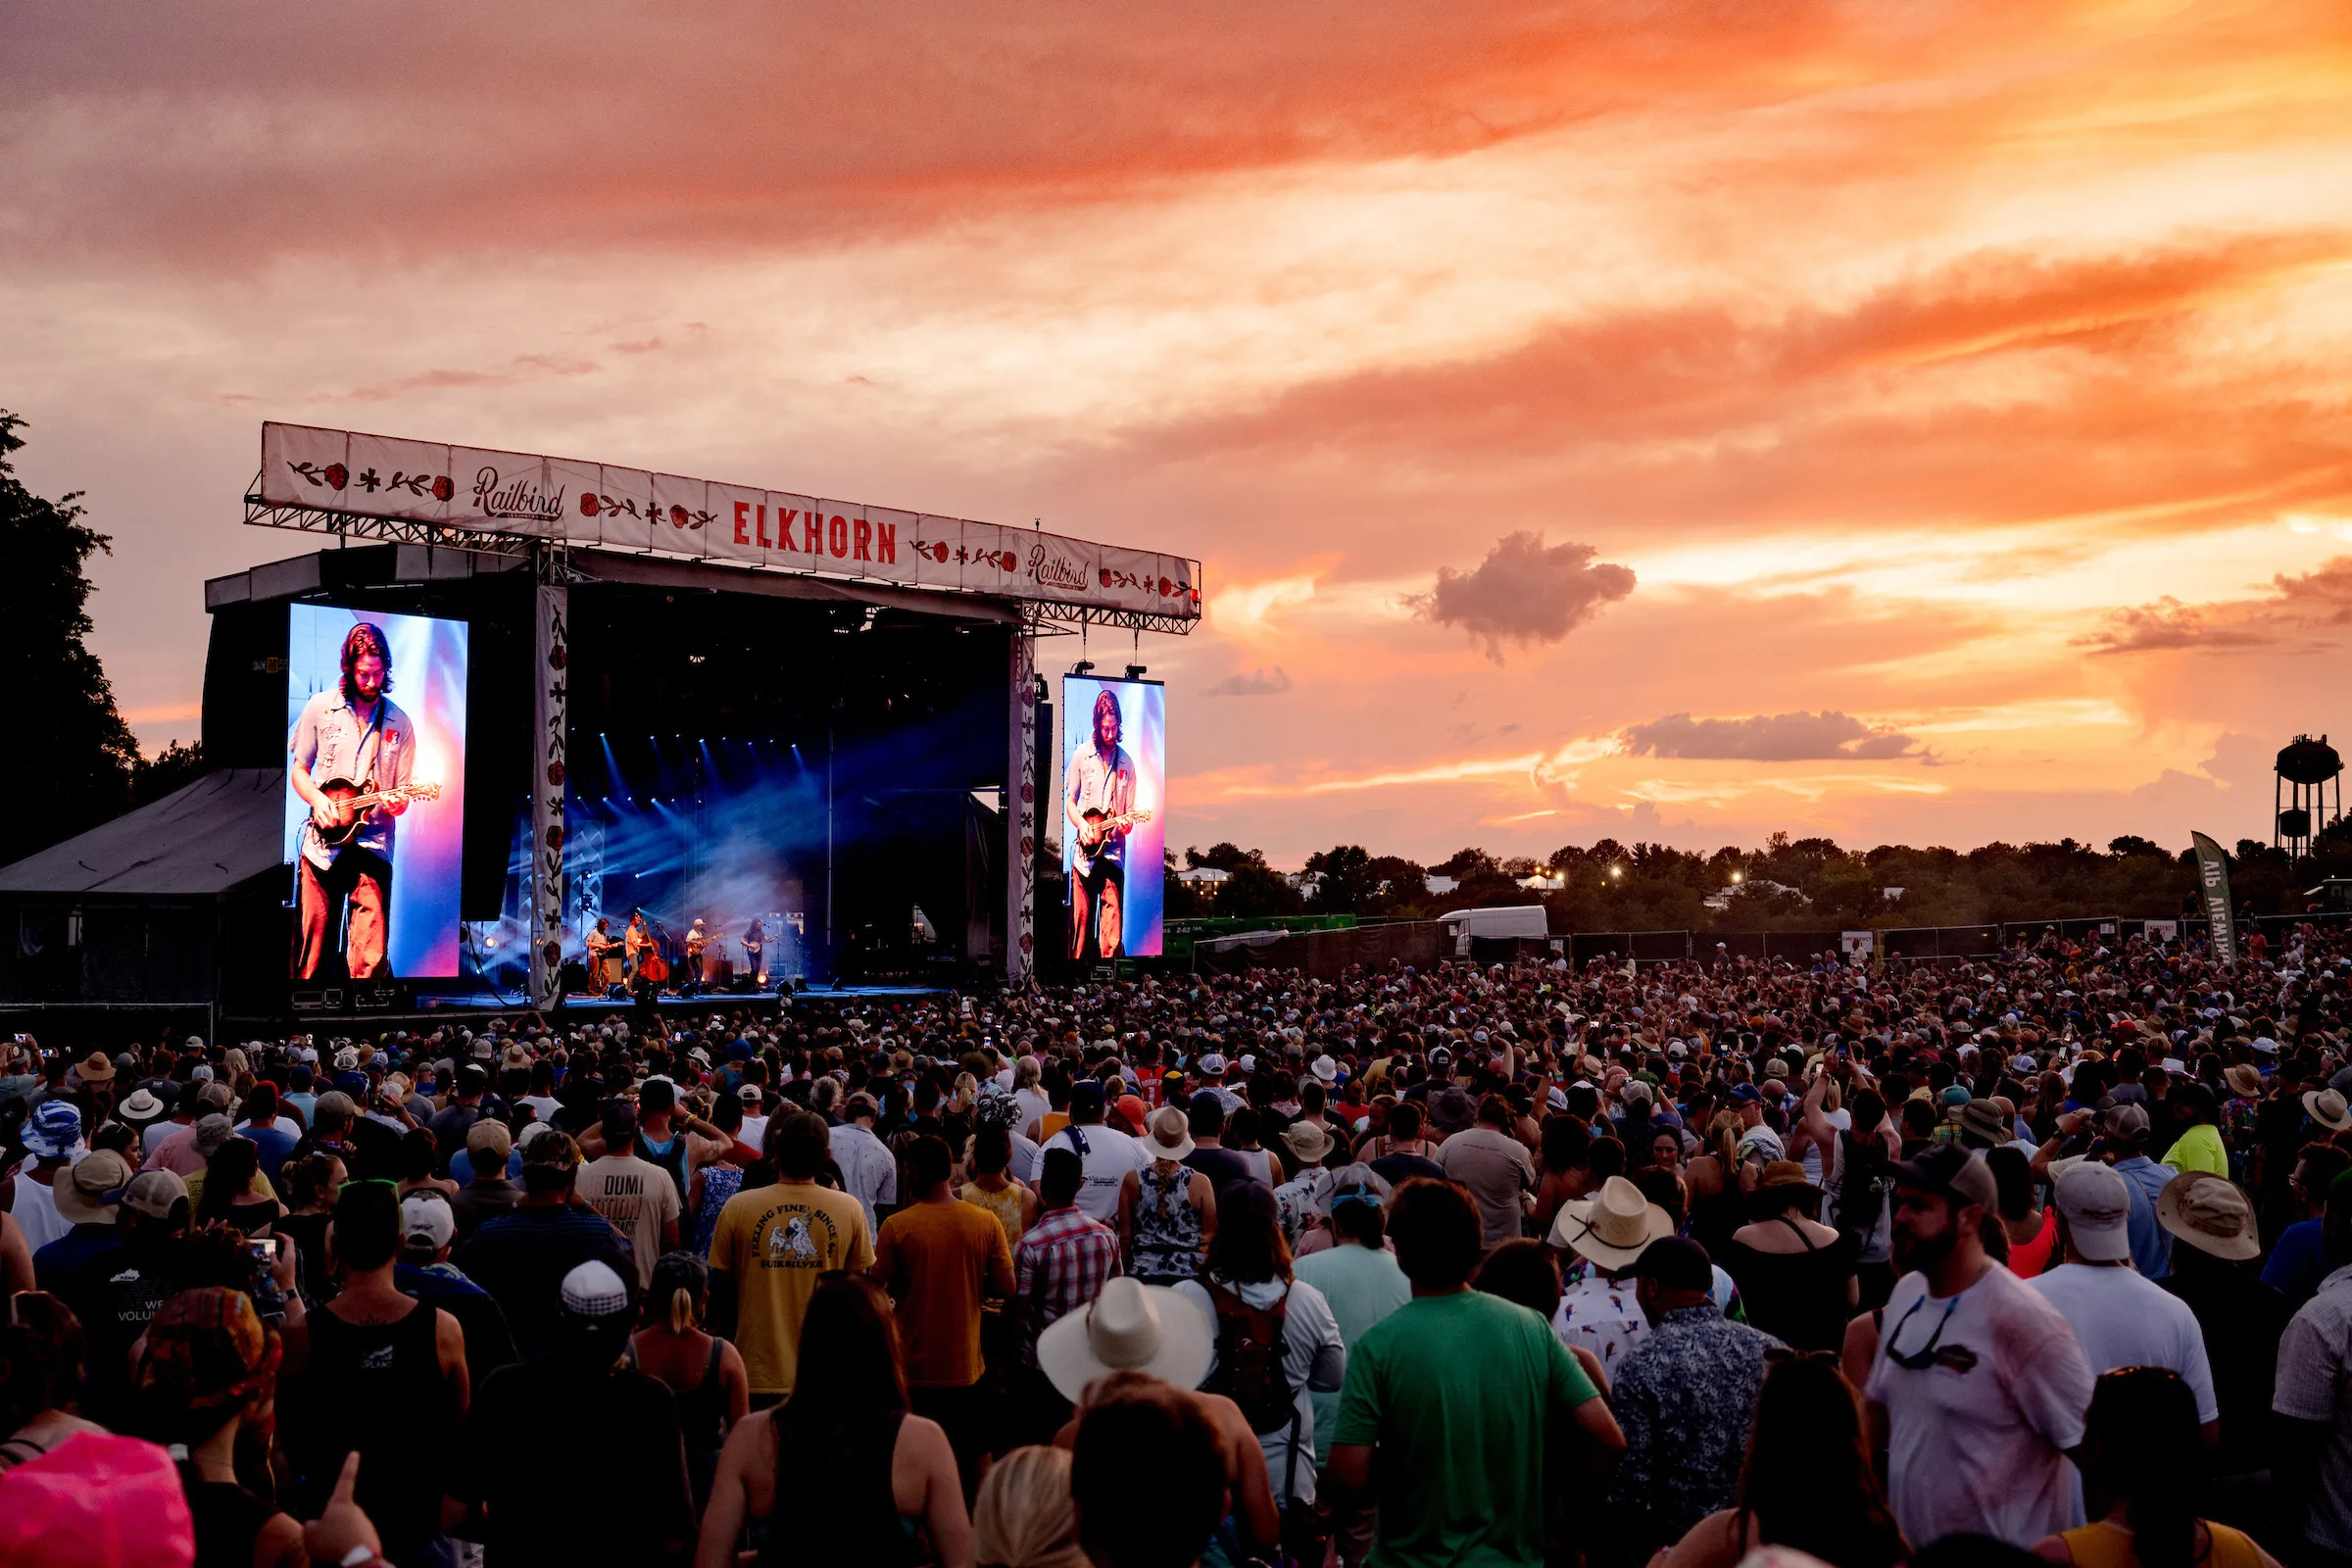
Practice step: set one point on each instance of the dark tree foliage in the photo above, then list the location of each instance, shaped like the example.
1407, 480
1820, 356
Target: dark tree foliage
174, 767
72, 758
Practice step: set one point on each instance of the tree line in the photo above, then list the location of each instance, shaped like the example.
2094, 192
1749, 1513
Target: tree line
1807, 884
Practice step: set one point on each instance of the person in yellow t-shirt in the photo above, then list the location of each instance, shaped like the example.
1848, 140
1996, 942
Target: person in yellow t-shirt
770, 1244
2199, 1144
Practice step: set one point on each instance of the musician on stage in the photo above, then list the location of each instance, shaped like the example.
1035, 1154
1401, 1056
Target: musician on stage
755, 951
1101, 777
697, 939
354, 732
604, 970
637, 941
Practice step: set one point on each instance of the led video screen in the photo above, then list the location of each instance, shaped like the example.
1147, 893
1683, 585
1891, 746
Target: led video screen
1113, 830
375, 792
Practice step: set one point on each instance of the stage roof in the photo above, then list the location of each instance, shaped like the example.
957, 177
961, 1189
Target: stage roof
200, 841
402, 491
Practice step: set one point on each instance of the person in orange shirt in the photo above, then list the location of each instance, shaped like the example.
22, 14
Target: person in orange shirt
939, 1258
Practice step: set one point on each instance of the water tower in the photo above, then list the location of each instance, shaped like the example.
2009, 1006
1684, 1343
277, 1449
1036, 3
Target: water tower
2306, 768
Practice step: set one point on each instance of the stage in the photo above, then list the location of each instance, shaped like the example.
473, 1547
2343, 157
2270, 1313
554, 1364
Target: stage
600, 691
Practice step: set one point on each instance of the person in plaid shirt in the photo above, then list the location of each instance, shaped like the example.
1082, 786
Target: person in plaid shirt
1064, 1257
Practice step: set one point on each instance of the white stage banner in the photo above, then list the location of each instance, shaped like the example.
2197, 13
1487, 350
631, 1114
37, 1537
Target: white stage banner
628, 509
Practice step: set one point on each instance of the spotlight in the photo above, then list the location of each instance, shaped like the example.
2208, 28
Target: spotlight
1135, 672
1084, 667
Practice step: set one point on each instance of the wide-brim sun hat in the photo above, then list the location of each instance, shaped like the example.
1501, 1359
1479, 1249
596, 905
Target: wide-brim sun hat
1130, 1327
2210, 1214
1169, 1119
2326, 1106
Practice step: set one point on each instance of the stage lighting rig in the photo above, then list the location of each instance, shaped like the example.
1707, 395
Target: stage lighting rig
1084, 667
1137, 672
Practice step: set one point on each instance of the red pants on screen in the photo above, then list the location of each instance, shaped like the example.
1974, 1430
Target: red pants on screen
360, 880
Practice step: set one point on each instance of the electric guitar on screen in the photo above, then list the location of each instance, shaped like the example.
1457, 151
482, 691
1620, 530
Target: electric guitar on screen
354, 799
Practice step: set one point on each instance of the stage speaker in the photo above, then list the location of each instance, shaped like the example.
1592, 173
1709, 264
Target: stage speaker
743, 984
617, 991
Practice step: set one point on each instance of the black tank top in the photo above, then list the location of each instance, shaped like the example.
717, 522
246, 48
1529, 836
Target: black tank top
838, 1507
378, 1388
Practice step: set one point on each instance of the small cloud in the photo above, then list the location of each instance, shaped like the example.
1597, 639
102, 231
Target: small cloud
2168, 623
1524, 592
1257, 683
2325, 593
1799, 737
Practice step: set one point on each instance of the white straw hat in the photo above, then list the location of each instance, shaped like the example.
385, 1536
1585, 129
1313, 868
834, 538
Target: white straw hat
1130, 1327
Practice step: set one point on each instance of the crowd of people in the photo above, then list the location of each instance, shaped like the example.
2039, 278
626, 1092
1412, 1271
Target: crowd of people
2048, 1255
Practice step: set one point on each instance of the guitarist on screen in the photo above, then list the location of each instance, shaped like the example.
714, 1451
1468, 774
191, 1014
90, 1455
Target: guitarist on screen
350, 732
1101, 785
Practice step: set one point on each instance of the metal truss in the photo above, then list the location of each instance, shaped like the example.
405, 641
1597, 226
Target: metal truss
1040, 617
385, 530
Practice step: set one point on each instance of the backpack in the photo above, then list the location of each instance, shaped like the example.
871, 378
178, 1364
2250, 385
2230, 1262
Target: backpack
1249, 1361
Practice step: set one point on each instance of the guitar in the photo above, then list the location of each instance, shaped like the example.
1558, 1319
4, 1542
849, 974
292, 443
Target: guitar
1099, 826
355, 799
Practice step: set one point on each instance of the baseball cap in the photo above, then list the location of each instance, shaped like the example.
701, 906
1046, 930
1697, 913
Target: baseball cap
152, 1193
488, 1140
426, 1221
2098, 1208
1949, 1171
593, 1289
2124, 1120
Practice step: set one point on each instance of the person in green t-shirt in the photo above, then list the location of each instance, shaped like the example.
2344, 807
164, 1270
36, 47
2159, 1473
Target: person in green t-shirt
1446, 1402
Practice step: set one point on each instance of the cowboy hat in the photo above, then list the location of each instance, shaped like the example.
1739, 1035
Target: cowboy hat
2326, 1107
1612, 1229
1130, 1327
2243, 1079
141, 1105
96, 1069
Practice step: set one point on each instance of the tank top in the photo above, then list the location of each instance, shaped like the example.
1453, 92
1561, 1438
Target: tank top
1167, 1228
1006, 1205
2029, 1259
702, 1418
839, 1507
227, 1520
670, 1157
2105, 1545
1797, 1297
1716, 1215
377, 1387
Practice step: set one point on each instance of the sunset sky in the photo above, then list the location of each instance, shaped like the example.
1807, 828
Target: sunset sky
1913, 423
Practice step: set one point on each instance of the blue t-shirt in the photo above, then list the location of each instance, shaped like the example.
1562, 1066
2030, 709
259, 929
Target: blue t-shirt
2298, 1263
460, 1167
276, 1141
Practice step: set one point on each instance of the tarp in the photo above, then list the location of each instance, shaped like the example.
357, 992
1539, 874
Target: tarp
202, 841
